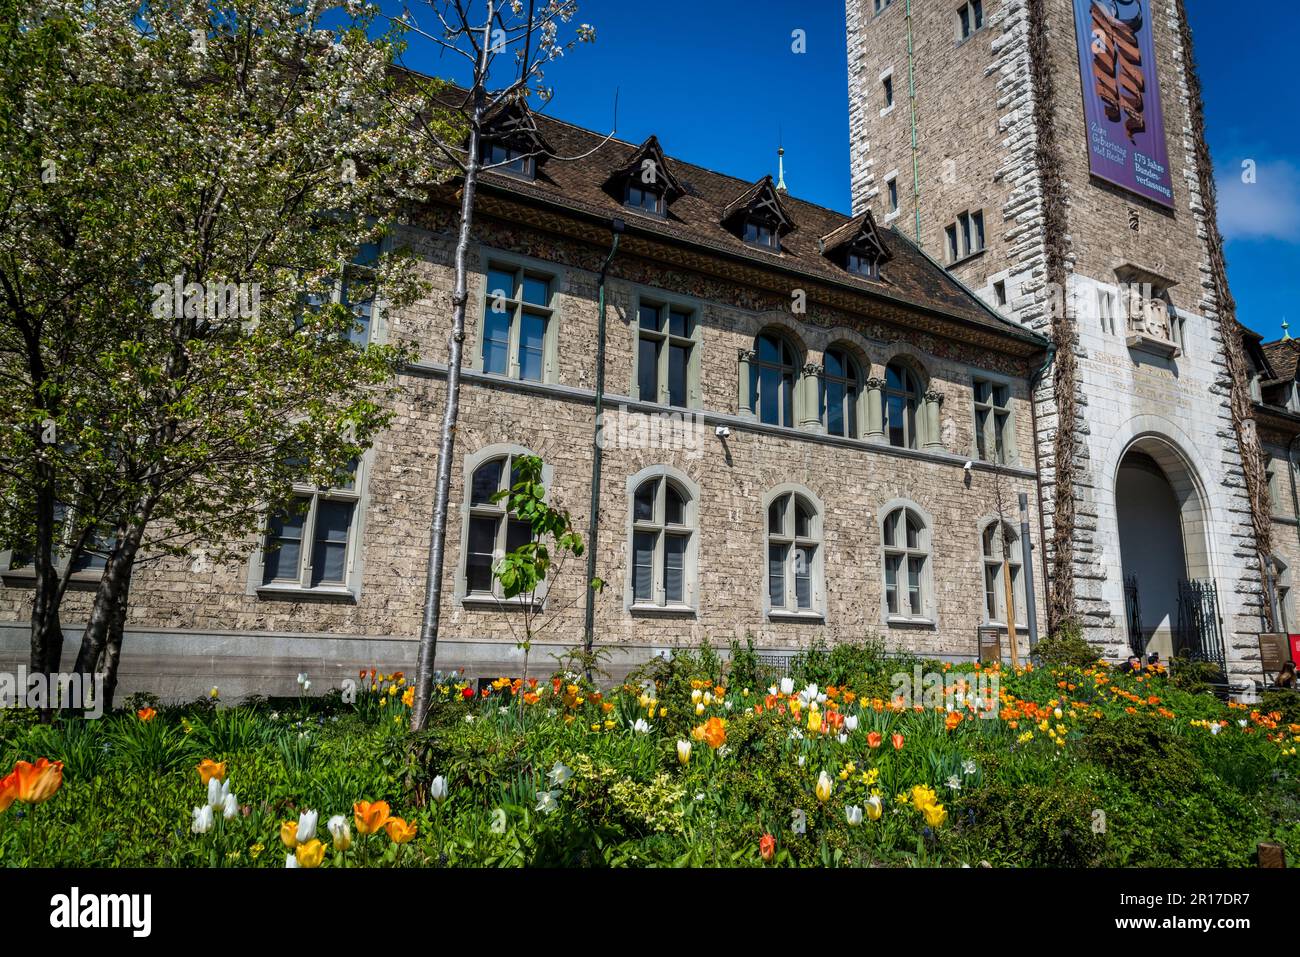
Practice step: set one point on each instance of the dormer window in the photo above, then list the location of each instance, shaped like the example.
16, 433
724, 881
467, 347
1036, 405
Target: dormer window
857, 246
863, 264
759, 233
644, 198
508, 159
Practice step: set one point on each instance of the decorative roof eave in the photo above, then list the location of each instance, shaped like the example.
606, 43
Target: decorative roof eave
762, 196
860, 232
845, 294
634, 167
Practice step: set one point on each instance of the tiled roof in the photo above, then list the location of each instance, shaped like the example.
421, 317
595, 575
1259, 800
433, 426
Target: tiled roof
698, 216
1283, 356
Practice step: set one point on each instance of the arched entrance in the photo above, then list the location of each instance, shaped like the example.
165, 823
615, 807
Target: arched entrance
1162, 533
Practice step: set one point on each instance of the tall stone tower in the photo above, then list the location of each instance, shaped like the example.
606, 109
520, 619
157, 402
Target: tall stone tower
1051, 153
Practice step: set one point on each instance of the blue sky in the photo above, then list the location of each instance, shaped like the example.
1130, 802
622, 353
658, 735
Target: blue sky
718, 82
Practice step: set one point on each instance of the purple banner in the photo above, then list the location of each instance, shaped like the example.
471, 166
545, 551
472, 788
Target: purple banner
1121, 97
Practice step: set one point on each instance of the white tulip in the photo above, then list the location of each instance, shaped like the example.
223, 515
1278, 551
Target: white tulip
850, 722
306, 686
340, 832
229, 807
559, 774
291, 860
641, 727
438, 789
218, 791
307, 822
202, 822
684, 751
302, 677
787, 686
854, 815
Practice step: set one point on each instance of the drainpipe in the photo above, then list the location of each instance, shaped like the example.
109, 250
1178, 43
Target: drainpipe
1034, 380
911, 95
1027, 560
616, 227
1295, 509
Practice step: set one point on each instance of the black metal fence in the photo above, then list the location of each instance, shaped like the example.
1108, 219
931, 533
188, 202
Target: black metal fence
1199, 635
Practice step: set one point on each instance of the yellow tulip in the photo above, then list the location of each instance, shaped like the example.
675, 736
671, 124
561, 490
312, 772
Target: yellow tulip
310, 854
824, 787
873, 808
399, 831
935, 814
289, 834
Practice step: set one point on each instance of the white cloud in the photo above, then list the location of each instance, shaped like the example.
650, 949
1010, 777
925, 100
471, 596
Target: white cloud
1268, 208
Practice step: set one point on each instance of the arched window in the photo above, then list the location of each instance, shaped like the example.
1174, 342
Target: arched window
843, 385
772, 379
491, 531
902, 401
994, 547
1282, 585
907, 560
663, 552
793, 555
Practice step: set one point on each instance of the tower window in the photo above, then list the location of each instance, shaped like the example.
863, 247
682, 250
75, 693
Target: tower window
1000, 292
888, 84
891, 194
965, 237
970, 18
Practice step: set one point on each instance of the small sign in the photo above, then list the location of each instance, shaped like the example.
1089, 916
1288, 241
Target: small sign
1271, 855
990, 645
1274, 650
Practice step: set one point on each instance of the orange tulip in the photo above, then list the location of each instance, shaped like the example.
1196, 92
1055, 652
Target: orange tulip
209, 769
399, 831
370, 817
37, 782
766, 846
898, 741
873, 739
715, 732
146, 714
8, 790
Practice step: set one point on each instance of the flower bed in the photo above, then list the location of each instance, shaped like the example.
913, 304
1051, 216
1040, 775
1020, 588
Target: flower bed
1073, 767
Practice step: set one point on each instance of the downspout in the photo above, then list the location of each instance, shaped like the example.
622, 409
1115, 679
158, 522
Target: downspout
1034, 380
911, 96
616, 226
1295, 510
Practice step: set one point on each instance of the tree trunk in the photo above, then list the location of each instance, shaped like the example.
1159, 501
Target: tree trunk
46, 630
438, 532
110, 599
113, 644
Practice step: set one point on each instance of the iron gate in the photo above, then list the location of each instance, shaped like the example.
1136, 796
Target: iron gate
1137, 639
1200, 629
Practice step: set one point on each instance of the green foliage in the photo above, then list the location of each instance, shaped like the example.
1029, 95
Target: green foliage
1066, 648
1143, 749
1034, 824
838, 664
1193, 676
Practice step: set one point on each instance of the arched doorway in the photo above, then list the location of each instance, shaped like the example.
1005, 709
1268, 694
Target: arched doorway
1162, 534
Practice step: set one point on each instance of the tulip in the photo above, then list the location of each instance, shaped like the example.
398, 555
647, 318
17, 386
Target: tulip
307, 821
824, 787
874, 808
310, 854
546, 802
289, 834
202, 822
340, 832
787, 686
640, 726
209, 769
854, 815
559, 774
897, 739
8, 790
218, 791
37, 782
146, 714
302, 678
873, 739
437, 789
290, 860
229, 807
766, 847
684, 752
399, 832
850, 722
306, 686
935, 814
371, 817
715, 732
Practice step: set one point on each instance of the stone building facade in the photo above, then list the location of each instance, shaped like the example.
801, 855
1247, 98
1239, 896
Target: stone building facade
969, 131
810, 432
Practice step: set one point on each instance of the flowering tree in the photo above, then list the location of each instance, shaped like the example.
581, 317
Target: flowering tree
479, 33
182, 336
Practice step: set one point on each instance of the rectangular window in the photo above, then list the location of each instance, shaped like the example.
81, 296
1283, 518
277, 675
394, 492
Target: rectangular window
891, 194
675, 568
517, 321
1106, 311
992, 421
892, 564
666, 337
965, 237
508, 159
1000, 292
776, 574
311, 544
888, 84
970, 18
643, 564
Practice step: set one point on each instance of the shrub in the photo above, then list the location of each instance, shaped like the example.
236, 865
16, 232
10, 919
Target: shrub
1141, 750
838, 664
1194, 677
1067, 648
1037, 825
